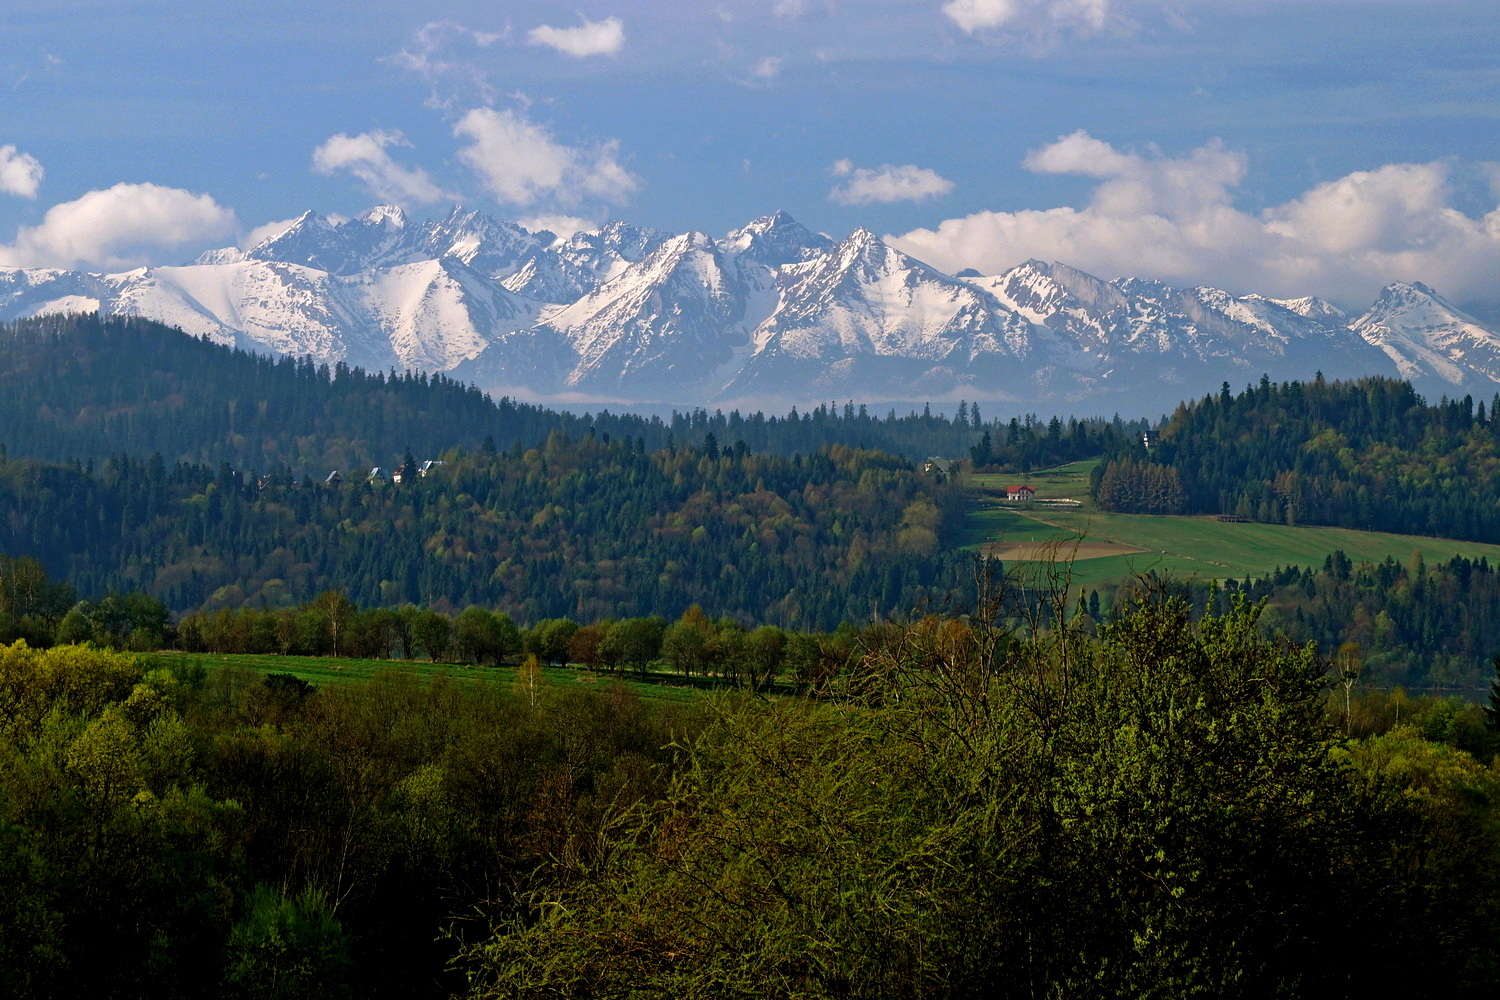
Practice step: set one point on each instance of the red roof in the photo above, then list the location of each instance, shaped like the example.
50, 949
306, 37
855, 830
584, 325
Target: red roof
1018, 489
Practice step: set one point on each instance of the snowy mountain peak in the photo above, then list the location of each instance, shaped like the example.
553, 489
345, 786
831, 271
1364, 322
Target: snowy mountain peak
1037, 287
302, 227
771, 311
776, 240
389, 216
863, 249
1312, 308
317, 242
223, 255
1426, 335
1414, 302
1408, 295
694, 240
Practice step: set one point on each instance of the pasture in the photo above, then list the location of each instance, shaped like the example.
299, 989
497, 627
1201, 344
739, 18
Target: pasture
325, 670
1107, 548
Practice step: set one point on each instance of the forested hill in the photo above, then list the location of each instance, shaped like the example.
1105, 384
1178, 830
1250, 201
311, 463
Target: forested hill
1369, 454
591, 529
78, 387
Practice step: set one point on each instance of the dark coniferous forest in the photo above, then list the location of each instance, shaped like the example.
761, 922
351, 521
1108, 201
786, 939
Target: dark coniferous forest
81, 387
1369, 454
587, 529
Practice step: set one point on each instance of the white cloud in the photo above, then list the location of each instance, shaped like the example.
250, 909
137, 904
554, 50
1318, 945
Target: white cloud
1035, 17
1173, 218
119, 227
20, 173
265, 231
885, 183
521, 163
561, 226
591, 38
365, 157
1491, 173
768, 68
440, 54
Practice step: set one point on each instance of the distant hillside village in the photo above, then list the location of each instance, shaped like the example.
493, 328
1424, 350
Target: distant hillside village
405, 472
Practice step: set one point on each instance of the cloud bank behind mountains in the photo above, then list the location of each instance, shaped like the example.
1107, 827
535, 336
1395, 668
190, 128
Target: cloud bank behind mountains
886, 184
364, 156
1174, 218
521, 163
120, 227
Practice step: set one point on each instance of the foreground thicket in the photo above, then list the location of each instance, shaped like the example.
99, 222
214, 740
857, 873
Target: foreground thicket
169, 834
959, 807
1164, 811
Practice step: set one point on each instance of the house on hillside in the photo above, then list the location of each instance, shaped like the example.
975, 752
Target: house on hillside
376, 473
429, 466
1022, 492
333, 478
935, 466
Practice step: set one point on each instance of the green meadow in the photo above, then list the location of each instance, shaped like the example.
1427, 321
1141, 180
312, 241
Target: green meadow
322, 670
1198, 546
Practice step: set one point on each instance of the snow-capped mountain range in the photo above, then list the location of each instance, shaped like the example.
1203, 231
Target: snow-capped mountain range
769, 314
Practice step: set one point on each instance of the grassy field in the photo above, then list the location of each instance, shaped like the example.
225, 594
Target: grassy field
1066, 482
1112, 547
330, 670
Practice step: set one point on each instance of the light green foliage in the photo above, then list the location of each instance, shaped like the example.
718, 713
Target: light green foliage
1156, 812
65, 679
548, 639
808, 861
430, 632
481, 635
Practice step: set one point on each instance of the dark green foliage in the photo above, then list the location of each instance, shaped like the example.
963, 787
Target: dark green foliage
1131, 487
1492, 710
287, 949
1368, 454
1413, 625
78, 387
1027, 444
977, 809
582, 529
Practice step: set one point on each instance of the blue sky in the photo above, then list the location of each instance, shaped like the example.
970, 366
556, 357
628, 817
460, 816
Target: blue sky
1287, 146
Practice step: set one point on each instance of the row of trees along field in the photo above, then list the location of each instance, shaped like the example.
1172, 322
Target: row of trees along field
1367, 454
585, 528
965, 807
82, 387
1409, 625
42, 613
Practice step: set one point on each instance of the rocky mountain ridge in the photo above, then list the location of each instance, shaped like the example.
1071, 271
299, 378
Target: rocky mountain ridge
771, 313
